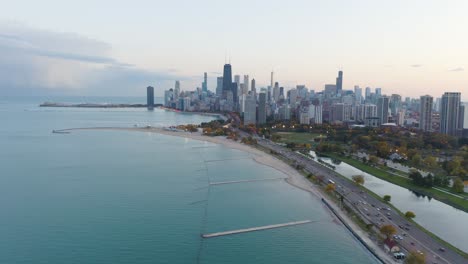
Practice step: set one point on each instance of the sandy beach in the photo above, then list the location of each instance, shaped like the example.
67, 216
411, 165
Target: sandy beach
293, 176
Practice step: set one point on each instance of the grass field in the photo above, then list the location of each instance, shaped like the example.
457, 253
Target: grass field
295, 137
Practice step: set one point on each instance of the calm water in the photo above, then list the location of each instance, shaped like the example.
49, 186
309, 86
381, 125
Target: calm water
129, 197
441, 219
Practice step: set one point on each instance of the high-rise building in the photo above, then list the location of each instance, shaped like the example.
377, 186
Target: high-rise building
176, 90
368, 93
425, 113
219, 86
450, 111
262, 100
395, 104
378, 92
150, 97
246, 84
250, 110
227, 79
205, 82
358, 94
339, 82
382, 109
330, 89
276, 92
271, 80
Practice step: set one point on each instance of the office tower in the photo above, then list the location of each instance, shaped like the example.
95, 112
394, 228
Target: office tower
276, 92
382, 109
450, 111
235, 95
365, 111
425, 113
252, 87
168, 97
237, 79
219, 86
271, 80
315, 113
339, 82
150, 97
293, 97
330, 89
205, 83
395, 104
401, 118
281, 92
227, 80
262, 100
378, 92
176, 90
269, 94
250, 110
284, 112
304, 118
368, 93
246, 84
358, 94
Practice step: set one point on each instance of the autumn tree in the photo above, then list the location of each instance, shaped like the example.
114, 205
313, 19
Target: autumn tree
358, 179
410, 215
458, 185
330, 187
388, 230
387, 198
415, 258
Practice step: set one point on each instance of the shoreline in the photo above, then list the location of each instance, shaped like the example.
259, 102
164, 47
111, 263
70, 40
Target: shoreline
294, 178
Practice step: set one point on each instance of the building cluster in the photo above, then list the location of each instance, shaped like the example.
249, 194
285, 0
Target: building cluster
334, 104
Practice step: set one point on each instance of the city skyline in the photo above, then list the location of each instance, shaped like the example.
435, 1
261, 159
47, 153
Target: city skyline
404, 48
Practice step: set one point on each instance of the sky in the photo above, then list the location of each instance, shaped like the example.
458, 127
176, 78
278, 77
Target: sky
118, 48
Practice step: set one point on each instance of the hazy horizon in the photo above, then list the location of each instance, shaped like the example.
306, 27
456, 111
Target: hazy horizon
117, 49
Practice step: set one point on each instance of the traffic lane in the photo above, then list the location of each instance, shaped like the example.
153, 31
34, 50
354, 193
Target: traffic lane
419, 236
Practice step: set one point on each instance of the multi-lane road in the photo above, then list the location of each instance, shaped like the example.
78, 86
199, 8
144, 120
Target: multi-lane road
410, 238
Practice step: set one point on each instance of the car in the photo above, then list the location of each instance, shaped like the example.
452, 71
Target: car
389, 218
388, 214
378, 209
407, 229
442, 249
388, 208
412, 243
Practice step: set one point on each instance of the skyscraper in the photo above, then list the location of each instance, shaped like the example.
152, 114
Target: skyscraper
262, 108
227, 80
271, 80
176, 90
252, 86
246, 84
357, 94
150, 97
339, 82
368, 93
449, 116
395, 104
276, 92
382, 109
250, 111
219, 86
205, 83
425, 113
378, 92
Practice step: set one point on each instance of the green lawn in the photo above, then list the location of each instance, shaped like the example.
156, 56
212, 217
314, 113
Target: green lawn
296, 137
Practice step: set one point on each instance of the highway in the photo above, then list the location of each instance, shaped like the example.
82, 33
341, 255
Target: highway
371, 209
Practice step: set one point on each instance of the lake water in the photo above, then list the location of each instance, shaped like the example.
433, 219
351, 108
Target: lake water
441, 219
130, 197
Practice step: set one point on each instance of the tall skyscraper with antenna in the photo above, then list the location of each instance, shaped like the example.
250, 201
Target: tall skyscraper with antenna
205, 82
339, 82
227, 79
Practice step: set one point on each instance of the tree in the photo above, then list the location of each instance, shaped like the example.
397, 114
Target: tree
330, 187
387, 198
415, 258
458, 185
373, 159
358, 179
388, 230
410, 214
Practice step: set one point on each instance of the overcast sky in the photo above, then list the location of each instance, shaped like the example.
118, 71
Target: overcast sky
119, 47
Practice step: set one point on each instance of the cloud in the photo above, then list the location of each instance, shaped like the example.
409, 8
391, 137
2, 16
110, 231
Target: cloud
457, 69
34, 61
416, 65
